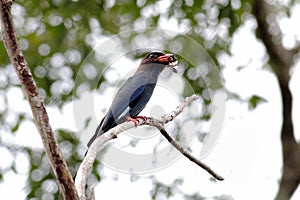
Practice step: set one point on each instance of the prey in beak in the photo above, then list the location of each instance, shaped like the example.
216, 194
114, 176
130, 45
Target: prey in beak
170, 60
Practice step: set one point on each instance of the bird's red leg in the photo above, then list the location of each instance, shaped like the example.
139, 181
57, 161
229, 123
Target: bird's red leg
134, 120
141, 117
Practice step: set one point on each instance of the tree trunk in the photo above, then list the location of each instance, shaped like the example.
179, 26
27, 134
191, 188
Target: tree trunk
281, 60
60, 168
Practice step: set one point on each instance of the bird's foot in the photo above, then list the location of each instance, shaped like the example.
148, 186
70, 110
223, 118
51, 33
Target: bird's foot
129, 119
141, 117
135, 119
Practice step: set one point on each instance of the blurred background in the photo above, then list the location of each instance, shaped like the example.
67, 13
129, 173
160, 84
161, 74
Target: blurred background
249, 49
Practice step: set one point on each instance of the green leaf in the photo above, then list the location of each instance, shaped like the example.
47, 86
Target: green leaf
87, 122
254, 101
21, 117
15, 128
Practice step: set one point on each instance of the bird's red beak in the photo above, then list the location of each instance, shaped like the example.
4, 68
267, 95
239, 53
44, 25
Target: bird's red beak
164, 58
169, 60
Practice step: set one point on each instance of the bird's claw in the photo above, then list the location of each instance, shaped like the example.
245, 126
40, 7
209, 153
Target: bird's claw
141, 117
135, 119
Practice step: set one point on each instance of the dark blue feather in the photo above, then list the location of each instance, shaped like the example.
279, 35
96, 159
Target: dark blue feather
133, 96
130, 100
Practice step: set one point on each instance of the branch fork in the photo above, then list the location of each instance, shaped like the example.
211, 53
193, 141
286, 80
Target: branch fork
86, 165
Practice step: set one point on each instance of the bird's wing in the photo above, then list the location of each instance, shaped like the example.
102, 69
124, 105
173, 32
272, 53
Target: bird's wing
126, 98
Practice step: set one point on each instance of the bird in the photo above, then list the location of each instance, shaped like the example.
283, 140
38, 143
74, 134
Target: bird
136, 91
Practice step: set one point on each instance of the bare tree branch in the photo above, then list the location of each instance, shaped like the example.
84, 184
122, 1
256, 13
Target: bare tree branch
39, 112
187, 154
281, 61
86, 165
169, 117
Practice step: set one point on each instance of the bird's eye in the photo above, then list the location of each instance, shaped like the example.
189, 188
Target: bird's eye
151, 55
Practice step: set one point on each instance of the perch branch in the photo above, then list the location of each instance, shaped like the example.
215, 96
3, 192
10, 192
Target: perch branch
38, 109
184, 152
169, 117
86, 165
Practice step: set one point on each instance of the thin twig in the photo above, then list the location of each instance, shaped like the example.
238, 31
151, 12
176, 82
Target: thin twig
163, 131
187, 154
86, 165
169, 117
61, 171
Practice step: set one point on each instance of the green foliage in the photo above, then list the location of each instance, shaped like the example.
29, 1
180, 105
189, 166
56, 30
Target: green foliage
255, 100
21, 117
52, 36
163, 191
167, 191
41, 181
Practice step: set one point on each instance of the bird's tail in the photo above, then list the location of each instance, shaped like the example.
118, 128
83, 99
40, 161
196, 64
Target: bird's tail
97, 133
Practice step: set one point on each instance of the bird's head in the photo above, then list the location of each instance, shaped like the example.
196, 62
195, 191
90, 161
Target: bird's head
168, 60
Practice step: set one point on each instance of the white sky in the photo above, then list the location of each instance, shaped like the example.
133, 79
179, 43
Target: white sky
248, 154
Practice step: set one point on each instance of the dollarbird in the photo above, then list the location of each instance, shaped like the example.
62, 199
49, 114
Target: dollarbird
135, 93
